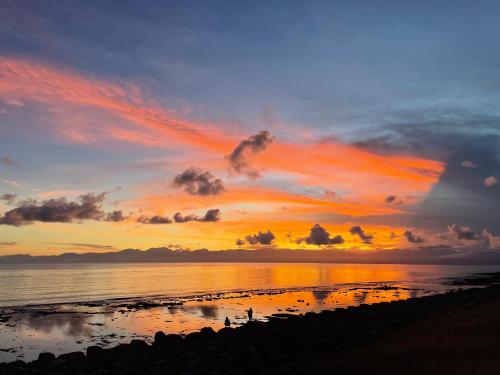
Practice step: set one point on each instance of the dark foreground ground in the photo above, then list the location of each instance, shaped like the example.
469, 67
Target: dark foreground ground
456, 333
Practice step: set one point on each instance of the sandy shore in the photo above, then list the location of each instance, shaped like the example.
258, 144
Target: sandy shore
457, 332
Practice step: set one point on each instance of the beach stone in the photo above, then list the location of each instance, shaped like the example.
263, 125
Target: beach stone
58, 363
73, 356
138, 345
46, 357
161, 339
193, 337
226, 332
207, 331
94, 351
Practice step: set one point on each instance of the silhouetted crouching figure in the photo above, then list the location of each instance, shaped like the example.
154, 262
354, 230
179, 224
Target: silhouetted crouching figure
227, 322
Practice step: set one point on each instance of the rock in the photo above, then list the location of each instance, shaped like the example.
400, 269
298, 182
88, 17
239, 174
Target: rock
94, 351
46, 357
58, 363
225, 332
207, 331
161, 339
73, 356
193, 337
138, 345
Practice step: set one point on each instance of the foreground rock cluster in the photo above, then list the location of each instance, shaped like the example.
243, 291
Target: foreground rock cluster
280, 346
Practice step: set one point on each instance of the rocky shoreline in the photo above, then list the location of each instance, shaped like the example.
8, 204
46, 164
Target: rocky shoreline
280, 346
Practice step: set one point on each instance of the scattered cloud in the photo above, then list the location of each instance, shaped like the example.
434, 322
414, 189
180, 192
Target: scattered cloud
329, 195
493, 241
6, 160
115, 216
413, 238
86, 245
212, 215
490, 181
358, 231
87, 207
198, 182
241, 158
462, 233
8, 198
157, 219
7, 243
319, 236
397, 200
240, 242
468, 164
261, 238
14, 183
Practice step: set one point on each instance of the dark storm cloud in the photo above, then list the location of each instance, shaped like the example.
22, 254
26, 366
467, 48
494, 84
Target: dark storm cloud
358, 231
413, 238
8, 198
115, 216
157, 219
241, 157
319, 236
6, 160
461, 193
198, 182
87, 207
212, 215
261, 238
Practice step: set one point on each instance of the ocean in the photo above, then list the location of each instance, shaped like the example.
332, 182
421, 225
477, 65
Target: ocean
68, 307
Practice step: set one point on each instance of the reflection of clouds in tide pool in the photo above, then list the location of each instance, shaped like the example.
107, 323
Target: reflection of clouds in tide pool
70, 324
64, 328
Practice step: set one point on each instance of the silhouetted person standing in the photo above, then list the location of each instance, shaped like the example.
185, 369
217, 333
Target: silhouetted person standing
227, 322
250, 313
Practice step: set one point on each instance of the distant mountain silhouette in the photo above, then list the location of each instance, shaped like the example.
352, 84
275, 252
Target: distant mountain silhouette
430, 255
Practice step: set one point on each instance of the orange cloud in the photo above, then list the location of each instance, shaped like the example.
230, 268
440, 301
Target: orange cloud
29, 81
141, 120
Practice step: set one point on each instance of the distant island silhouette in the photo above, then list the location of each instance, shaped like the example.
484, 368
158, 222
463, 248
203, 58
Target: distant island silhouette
430, 255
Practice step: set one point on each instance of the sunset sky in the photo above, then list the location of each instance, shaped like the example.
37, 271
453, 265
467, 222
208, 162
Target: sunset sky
355, 125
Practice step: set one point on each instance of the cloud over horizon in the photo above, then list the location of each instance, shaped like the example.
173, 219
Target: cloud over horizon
413, 238
358, 231
211, 216
320, 237
87, 207
260, 238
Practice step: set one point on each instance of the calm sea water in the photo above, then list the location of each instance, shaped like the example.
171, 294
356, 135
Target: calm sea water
205, 294
60, 283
